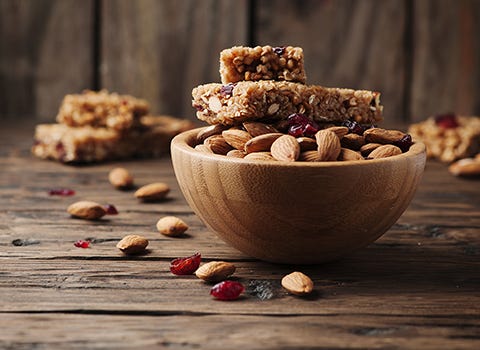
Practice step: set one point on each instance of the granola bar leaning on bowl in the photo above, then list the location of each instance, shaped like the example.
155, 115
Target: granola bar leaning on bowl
275, 100
241, 63
102, 109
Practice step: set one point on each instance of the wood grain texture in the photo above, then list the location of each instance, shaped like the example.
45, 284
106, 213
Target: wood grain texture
356, 44
160, 50
446, 58
416, 287
46, 52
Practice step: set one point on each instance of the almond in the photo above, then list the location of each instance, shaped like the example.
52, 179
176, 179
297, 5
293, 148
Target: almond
171, 226
215, 271
384, 151
236, 138
214, 104
348, 154
352, 141
297, 283
257, 129
261, 143
261, 156
209, 131
86, 210
285, 148
307, 143
120, 178
328, 145
309, 156
368, 147
340, 131
152, 192
217, 144
132, 244
203, 148
466, 167
235, 153
383, 136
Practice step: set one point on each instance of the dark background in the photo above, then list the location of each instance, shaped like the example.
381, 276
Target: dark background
424, 56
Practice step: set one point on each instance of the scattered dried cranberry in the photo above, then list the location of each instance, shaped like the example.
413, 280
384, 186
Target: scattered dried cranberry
227, 290
186, 266
353, 127
301, 125
227, 90
446, 121
404, 143
81, 244
110, 209
279, 50
61, 192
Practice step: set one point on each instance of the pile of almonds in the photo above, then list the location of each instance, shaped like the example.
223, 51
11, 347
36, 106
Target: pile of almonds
266, 142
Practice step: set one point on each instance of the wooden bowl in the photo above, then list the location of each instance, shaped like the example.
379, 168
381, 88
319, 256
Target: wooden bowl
300, 212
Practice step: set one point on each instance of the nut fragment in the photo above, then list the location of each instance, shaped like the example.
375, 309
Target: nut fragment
285, 148
385, 151
215, 271
466, 167
152, 192
297, 283
86, 210
328, 145
261, 143
132, 244
214, 104
120, 178
171, 226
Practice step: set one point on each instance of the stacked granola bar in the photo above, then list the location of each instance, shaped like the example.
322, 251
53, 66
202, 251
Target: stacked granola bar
268, 84
101, 126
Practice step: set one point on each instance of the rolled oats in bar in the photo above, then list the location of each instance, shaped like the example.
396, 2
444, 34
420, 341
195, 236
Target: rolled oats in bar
241, 63
87, 144
102, 109
274, 100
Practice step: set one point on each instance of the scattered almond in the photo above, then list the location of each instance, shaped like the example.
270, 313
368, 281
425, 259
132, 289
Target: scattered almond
383, 136
466, 167
132, 244
385, 151
171, 226
152, 192
120, 178
297, 283
328, 145
236, 138
261, 143
86, 210
215, 271
285, 148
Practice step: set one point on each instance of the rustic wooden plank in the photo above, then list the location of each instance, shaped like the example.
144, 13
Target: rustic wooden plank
56, 331
160, 50
357, 44
446, 56
47, 52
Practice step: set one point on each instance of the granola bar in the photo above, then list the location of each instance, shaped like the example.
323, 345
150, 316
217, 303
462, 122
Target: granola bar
241, 63
102, 109
448, 137
275, 100
88, 144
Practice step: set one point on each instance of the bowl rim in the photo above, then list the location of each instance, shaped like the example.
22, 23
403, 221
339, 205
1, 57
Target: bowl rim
183, 142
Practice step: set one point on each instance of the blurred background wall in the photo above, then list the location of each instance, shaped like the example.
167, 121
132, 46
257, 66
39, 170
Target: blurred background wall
423, 55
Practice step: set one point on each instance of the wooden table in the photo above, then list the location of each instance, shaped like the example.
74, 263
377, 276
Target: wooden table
417, 287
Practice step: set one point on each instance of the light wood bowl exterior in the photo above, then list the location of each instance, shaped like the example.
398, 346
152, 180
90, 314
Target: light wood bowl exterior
299, 213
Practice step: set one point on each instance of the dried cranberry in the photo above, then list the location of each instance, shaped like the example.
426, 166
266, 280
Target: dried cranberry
301, 125
279, 50
404, 143
61, 192
227, 290
446, 121
81, 244
353, 127
186, 266
110, 209
227, 90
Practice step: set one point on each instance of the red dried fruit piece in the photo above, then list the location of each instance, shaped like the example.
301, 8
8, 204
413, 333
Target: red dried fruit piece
227, 290
61, 192
301, 125
353, 127
446, 121
81, 244
110, 209
186, 266
404, 143
227, 90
